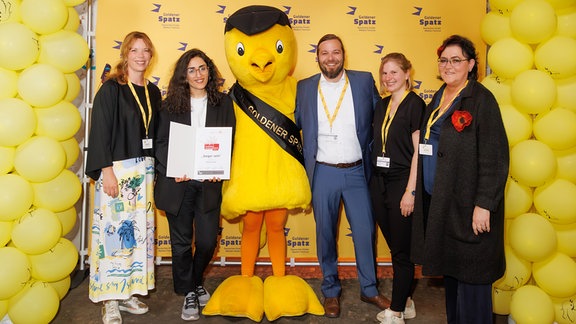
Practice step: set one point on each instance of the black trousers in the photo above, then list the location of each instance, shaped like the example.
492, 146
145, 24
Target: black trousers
468, 303
397, 230
192, 224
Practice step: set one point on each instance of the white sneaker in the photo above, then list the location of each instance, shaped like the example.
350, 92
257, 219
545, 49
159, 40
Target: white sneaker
410, 311
111, 313
133, 305
203, 295
387, 317
190, 310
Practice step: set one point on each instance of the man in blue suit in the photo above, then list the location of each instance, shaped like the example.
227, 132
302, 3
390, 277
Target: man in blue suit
334, 109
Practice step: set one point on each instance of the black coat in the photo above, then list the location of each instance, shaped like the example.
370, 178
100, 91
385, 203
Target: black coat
168, 194
472, 169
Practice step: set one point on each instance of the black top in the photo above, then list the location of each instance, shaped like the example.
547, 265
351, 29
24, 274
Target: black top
117, 127
399, 146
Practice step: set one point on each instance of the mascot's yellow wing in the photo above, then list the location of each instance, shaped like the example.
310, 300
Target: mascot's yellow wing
263, 176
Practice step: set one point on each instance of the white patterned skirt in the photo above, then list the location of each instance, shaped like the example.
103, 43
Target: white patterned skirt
122, 245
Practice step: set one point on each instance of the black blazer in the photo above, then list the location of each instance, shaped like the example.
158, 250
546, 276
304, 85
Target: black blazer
168, 194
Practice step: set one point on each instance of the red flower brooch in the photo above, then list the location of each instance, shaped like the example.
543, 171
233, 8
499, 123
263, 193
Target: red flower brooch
461, 119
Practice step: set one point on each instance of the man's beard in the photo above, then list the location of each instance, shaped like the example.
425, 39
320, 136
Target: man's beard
333, 73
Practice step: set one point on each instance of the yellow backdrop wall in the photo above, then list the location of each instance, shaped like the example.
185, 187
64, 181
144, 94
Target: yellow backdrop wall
369, 29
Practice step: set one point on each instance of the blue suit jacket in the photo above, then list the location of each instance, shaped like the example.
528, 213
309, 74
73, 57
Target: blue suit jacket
365, 97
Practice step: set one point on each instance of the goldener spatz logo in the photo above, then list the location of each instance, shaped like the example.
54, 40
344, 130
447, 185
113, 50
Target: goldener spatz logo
428, 23
362, 22
298, 21
168, 20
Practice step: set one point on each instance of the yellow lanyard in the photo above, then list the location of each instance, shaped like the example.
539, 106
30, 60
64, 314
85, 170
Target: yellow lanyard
333, 117
146, 122
388, 117
432, 119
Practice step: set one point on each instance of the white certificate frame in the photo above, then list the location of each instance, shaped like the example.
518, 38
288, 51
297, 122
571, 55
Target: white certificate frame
199, 153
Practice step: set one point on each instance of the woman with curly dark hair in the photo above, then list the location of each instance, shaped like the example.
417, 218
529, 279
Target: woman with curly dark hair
192, 207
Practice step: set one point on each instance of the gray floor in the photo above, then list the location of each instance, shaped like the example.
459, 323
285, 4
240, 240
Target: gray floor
165, 305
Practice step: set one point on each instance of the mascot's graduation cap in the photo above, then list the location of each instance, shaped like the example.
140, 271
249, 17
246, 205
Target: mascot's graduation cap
252, 20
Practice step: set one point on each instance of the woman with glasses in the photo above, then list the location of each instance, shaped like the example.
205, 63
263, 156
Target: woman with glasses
192, 207
396, 128
458, 221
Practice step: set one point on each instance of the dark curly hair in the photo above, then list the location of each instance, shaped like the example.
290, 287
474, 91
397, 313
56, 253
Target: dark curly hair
178, 95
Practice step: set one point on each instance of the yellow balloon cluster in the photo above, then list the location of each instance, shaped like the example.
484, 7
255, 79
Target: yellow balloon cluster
533, 46
40, 54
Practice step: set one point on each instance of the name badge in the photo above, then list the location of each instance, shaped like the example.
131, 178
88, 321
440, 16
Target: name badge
425, 149
383, 162
147, 143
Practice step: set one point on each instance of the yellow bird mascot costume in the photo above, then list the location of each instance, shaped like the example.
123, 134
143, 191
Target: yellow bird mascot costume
267, 178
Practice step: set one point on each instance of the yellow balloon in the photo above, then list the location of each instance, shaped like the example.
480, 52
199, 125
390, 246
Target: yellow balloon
72, 150
67, 219
72, 3
6, 159
59, 122
38, 302
14, 272
18, 46
556, 57
518, 199
59, 193
566, 235
518, 125
73, 21
562, 4
566, 90
517, 273
44, 16
37, 231
504, 7
566, 22
55, 264
531, 305
61, 286
495, 26
16, 197
499, 87
533, 21
566, 164
65, 50
565, 312
8, 80
557, 201
501, 301
3, 308
5, 233
532, 163
509, 57
557, 128
533, 92
532, 237
73, 88
42, 85
40, 159
556, 275
9, 12
17, 122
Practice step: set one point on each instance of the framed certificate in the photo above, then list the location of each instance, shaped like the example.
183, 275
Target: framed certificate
199, 153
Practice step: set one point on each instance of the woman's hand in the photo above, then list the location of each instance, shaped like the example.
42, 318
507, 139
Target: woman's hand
480, 220
407, 204
182, 179
109, 182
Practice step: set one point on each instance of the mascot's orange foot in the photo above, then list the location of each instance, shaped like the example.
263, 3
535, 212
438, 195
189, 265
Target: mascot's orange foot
238, 296
289, 296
